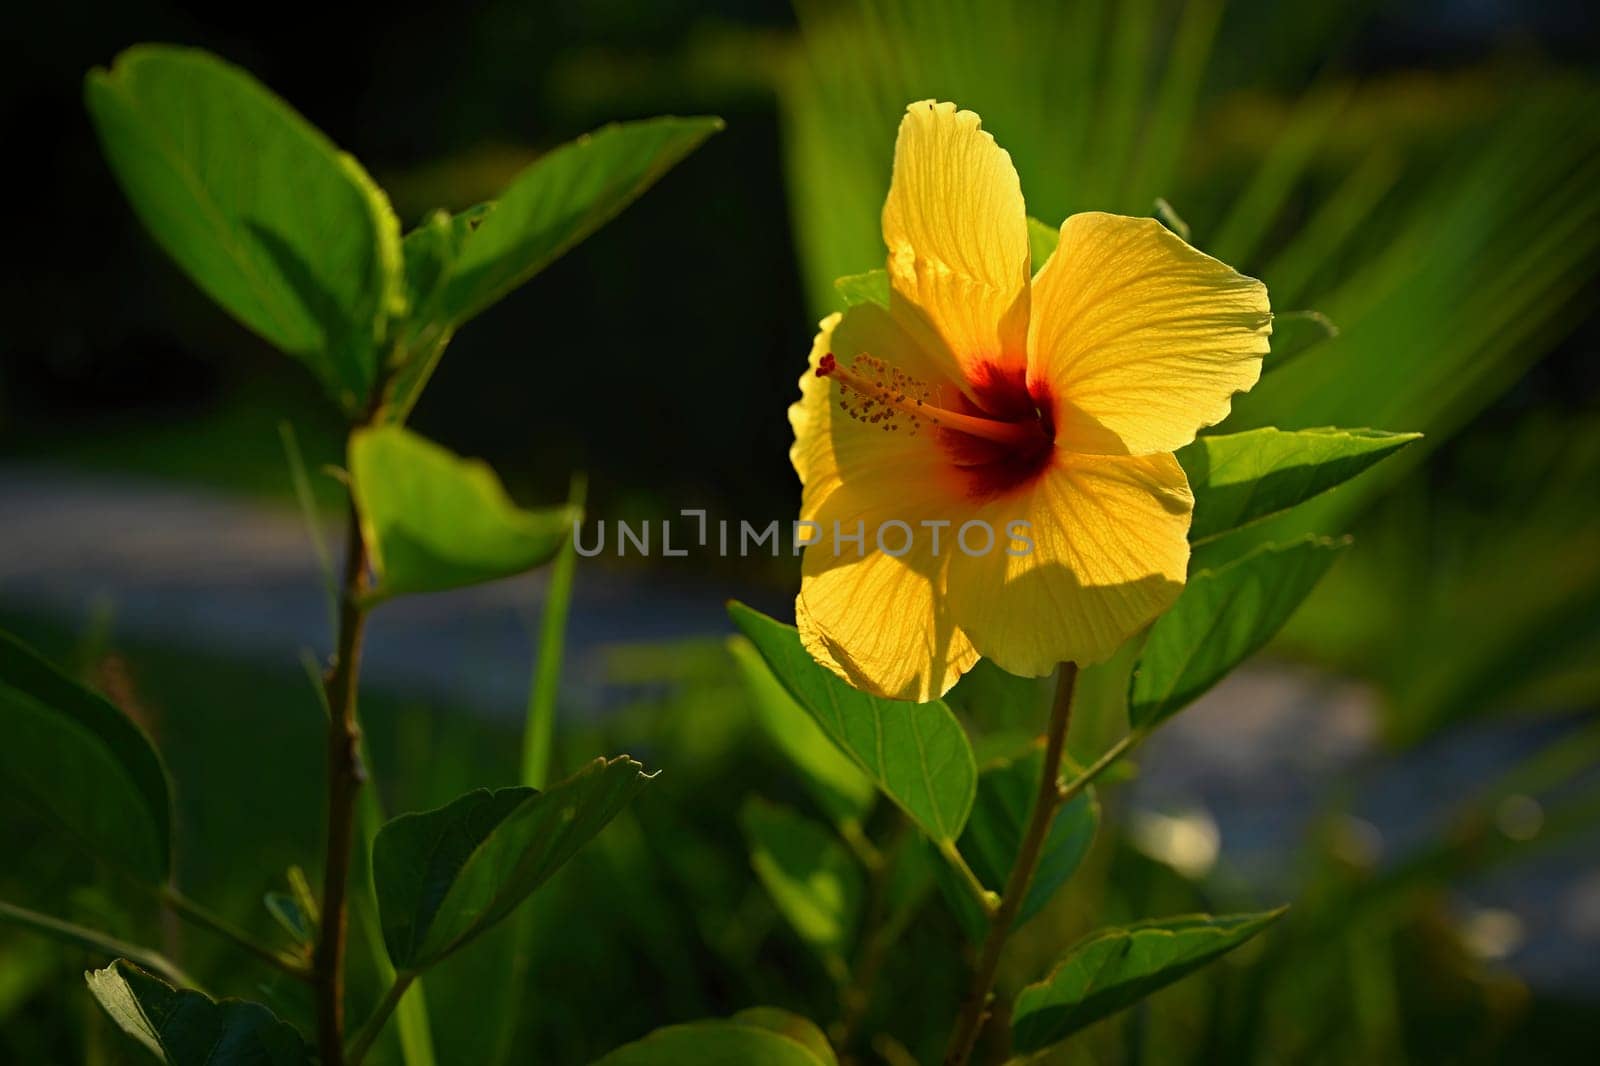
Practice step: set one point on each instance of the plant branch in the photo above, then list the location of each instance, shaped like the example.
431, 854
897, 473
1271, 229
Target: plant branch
975, 1007
192, 912
380, 1016
95, 941
346, 774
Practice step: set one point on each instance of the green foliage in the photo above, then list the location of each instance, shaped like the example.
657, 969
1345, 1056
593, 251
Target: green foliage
560, 200
1239, 478
187, 1028
1115, 968
299, 244
444, 876
916, 754
837, 784
1006, 790
748, 1039
810, 876
82, 763
434, 521
1221, 618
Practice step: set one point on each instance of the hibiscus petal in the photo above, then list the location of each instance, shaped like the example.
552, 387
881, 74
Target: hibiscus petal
957, 234
1142, 339
888, 611
1109, 553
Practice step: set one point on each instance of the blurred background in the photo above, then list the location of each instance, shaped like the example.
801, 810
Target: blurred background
1413, 763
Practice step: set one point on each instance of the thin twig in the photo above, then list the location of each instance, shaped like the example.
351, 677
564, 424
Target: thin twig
380, 1016
195, 914
984, 897
95, 941
975, 1007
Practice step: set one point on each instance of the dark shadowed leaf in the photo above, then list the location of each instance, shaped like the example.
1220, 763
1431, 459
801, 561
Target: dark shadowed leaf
916, 753
1222, 618
261, 210
433, 520
843, 792
1006, 791
1115, 968
812, 879
444, 876
560, 200
187, 1028
733, 1042
82, 763
1239, 478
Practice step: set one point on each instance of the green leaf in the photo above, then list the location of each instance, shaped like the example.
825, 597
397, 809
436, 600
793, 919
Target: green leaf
187, 1028
433, 520
444, 876
720, 1043
871, 287
1168, 216
802, 1030
430, 252
1222, 617
1239, 478
1006, 791
1296, 332
560, 200
285, 910
811, 878
83, 764
843, 792
1115, 968
916, 753
1042, 241
260, 209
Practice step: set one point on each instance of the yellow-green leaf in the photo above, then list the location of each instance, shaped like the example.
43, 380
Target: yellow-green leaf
433, 520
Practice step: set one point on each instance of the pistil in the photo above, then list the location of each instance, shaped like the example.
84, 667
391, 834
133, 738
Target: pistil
884, 393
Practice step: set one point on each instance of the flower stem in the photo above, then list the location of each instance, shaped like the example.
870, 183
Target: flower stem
345, 777
380, 1016
193, 912
975, 1007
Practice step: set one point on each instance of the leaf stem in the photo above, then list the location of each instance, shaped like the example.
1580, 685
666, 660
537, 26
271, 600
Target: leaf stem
346, 774
975, 1006
380, 1016
93, 940
194, 913
984, 897
1070, 789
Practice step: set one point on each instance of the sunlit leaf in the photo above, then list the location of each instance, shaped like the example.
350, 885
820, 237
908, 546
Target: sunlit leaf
558, 201
1239, 478
1006, 791
916, 753
811, 878
840, 788
187, 1028
435, 521
1115, 968
720, 1043
444, 876
80, 762
1221, 618
260, 209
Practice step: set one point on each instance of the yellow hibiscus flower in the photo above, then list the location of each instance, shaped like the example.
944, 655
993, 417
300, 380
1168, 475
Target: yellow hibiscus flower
1036, 414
